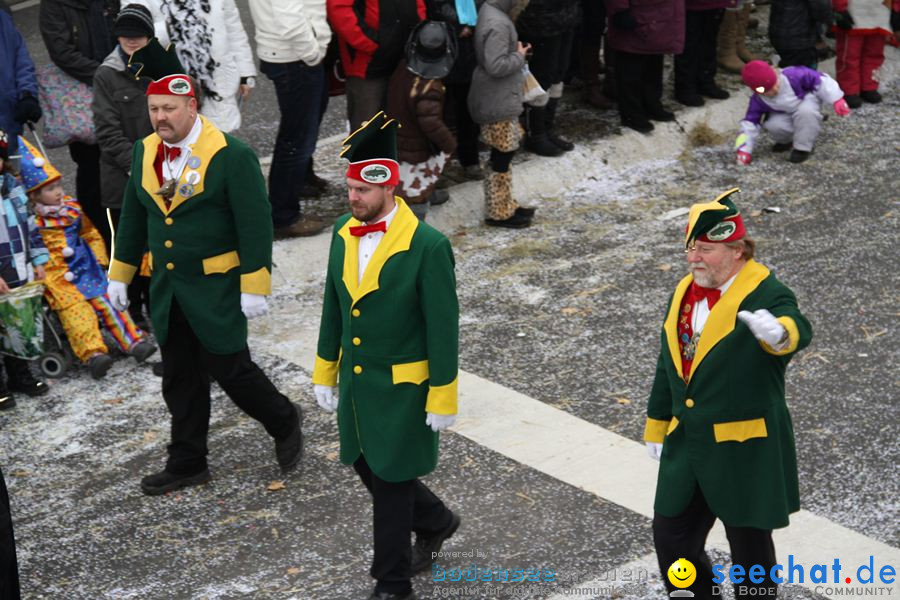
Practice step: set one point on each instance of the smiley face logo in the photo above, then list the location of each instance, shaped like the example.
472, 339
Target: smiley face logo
682, 573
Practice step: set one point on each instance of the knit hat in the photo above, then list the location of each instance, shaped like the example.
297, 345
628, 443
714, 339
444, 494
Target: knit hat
718, 221
372, 152
759, 76
4, 146
36, 171
134, 21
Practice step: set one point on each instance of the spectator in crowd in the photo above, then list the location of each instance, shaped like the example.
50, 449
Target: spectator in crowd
371, 35
732, 43
9, 565
79, 36
861, 29
211, 43
120, 119
794, 29
18, 86
641, 35
695, 67
462, 18
495, 102
593, 26
291, 41
548, 26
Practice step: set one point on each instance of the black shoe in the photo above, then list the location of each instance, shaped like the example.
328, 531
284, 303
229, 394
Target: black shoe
853, 101
158, 369
526, 211
690, 99
289, 450
782, 146
715, 92
21, 379
410, 595
542, 146
661, 115
872, 97
639, 124
438, 197
426, 547
99, 365
516, 221
564, 145
6, 400
142, 350
162, 482
799, 156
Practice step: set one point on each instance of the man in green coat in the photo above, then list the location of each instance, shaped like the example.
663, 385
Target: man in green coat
717, 419
196, 198
389, 334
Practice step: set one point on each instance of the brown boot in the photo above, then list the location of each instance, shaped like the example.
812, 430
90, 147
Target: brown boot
743, 18
305, 227
728, 58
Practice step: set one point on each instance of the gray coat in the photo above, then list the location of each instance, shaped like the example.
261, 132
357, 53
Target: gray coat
120, 119
496, 92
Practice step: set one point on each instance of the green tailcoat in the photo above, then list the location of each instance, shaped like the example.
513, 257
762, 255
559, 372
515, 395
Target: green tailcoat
213, 242
393, 341
728, 428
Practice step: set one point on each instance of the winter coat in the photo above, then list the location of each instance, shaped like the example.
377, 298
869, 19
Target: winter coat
496, 92
793, 24
19, 252
78, 34
120, 119
660, 26
16, 77
372, 33
548, 18
418, 105
445, 10
291, 30
213, 47
869, 16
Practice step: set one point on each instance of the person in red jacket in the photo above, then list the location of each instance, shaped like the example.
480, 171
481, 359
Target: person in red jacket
370, 48
861, 28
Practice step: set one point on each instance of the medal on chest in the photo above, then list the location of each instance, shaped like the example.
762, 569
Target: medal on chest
687, 338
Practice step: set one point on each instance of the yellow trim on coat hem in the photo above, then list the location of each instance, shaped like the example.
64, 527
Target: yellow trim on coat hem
120, 271
258, 282
740, 431
221, 263
411, 372
793, 335
442, 399
325, 372
655, 430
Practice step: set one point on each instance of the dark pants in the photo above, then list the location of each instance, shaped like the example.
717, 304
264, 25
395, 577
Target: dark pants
187, 367
365, 97
550, 57
300, 90
399, 507
139, 288
17, 371
638, 84
803, 57
466, 129
9, 566
684, 536
87, 185
695, 67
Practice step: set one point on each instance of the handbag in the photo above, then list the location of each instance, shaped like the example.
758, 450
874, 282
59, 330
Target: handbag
532, 92
66, 103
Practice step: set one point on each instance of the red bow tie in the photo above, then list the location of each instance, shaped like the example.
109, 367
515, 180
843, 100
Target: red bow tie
364, 229
172, 152
712, 295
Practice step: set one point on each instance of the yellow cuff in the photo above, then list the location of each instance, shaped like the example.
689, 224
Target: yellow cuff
442, 398
259, 282
325, 372
120, 271
655, 430
793, 336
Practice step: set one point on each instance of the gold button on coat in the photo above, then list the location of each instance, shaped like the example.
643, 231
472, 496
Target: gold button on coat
355, 312
170, 266
168, 243
689, 403
357, 369
357, 341
169, 221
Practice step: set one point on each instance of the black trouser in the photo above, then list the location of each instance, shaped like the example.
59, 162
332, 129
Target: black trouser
399, 507
139, 288
804, 57
9, 566
695, 67
17, 372
187, 367
638, 84
466, 129
87, 185
550, 57
365, 97
684, 536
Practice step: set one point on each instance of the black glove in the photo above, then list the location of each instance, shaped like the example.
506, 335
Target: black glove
624, 20
27, 109
844, 20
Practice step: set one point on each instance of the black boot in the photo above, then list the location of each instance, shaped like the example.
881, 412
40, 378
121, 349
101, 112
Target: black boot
21, 378
536, 140
566, 145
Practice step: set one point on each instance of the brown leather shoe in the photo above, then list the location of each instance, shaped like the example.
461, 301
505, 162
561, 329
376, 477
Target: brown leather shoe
305, 227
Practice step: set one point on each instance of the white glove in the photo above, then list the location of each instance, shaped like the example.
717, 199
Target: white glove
654, 450
118, 294
326, 397
254, 305
439, 422
764, 326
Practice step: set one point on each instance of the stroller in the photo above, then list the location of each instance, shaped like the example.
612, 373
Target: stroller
24, 326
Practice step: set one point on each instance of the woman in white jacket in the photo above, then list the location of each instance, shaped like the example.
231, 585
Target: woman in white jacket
213, 47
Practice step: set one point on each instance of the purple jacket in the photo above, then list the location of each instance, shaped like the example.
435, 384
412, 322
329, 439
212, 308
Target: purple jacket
803, 81
660, 27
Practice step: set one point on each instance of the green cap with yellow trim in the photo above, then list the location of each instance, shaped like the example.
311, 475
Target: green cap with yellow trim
718, 221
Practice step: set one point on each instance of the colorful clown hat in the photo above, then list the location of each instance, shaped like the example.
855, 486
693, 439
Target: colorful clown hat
718, 221
35, 169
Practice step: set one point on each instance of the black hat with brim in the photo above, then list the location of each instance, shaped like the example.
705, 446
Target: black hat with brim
431, 50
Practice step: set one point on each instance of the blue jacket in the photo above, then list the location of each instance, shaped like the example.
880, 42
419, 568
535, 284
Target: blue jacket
16, 76
17, 246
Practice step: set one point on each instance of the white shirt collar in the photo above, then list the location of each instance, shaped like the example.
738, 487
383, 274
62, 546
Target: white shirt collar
724, 287
192, 136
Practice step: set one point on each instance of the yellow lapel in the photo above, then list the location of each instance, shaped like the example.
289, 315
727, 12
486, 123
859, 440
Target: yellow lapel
211, 140
397, 239
671, 324
723, 316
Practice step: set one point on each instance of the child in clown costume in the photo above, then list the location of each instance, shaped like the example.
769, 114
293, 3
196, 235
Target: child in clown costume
76, 277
